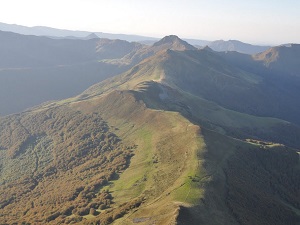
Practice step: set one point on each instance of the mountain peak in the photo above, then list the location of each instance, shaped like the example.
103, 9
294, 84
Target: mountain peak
238, 46
169, 38
174, 42
284, 59
91, 36
272, 54
207, 48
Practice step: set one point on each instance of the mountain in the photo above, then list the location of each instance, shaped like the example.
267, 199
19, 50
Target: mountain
205, 75
173, 42
194, 42
244, 90
220, 45
238, 46
91, 36
197, 42
36, 69
281, 59
62, 33
169, 42
165, 142
19, 51
41, 31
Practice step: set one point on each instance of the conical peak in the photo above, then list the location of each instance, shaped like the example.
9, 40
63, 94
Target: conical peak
174, 42
206, 48
91, 36
170, 38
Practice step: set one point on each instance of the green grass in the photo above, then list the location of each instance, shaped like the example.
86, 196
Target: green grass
161, 134
190, 191
130, 184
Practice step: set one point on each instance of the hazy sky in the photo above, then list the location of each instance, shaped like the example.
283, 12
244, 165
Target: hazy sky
254, 21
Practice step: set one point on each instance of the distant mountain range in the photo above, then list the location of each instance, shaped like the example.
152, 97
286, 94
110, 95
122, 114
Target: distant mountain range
220, 45
55, 33
223, 46
238, 46
174, 135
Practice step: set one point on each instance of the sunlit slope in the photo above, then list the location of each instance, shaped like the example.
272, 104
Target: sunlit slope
167, 154
164, 146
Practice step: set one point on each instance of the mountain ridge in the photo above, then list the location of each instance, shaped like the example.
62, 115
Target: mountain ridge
230, 45
62, 33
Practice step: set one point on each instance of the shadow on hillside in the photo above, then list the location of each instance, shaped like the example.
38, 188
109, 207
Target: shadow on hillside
250, 184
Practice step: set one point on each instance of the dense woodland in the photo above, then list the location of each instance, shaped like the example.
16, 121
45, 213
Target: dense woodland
54, 166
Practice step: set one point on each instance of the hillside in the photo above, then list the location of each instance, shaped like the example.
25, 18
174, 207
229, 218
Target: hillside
206, 75
163, 143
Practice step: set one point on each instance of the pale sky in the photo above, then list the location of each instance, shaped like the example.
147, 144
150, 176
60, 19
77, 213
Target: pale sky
253, 21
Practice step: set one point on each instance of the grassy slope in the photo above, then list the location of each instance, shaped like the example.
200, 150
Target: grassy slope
166, 156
